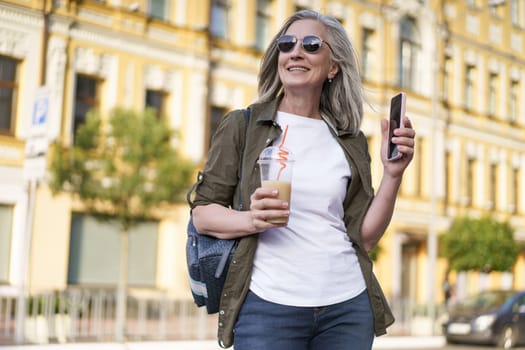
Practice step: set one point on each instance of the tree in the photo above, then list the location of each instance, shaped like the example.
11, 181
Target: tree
482, 245
375, 252
126, 169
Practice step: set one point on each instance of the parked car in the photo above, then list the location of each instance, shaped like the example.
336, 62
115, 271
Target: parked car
491, 317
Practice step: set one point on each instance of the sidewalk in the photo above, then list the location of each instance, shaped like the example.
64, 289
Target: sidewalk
385, 342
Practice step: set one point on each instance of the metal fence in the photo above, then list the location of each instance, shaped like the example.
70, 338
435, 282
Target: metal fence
417, 319
79, 315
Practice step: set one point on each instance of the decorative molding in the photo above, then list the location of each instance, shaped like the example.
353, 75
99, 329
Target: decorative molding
14, 43
56, 58
515, 74
159, 34
61, 25
106, 65
471, 150
155, 77
494, 65
336, 10
515, 161
471, 57
55, 73
23, 18
449, 50
369, 20
129, 24
408, 7
450, 11
95, 17
88, 62
392, 15
494, 156
134, 46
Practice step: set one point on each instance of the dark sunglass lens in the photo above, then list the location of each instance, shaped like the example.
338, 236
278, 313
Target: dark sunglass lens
311, 43
286, 43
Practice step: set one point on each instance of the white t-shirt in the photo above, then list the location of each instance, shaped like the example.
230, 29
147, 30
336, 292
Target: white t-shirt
310, 262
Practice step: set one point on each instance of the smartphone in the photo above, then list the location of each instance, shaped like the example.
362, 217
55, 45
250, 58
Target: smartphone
397, 112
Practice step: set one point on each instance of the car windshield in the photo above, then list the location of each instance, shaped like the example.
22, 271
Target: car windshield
485, 300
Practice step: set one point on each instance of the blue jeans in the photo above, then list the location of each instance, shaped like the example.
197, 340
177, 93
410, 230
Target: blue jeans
263, 325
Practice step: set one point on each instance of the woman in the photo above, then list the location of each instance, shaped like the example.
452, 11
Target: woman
307, 284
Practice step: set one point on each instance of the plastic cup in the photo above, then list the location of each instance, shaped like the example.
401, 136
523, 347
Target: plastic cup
276, 167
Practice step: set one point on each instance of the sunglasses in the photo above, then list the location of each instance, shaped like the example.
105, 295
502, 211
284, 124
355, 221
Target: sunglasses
310, 43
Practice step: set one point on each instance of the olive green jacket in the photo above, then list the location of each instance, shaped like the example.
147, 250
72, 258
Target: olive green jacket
220, 184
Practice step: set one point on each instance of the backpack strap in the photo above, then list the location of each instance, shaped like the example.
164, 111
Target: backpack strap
241, 159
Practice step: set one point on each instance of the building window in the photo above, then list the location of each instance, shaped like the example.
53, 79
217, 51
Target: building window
492, 94
514, 12
408, 53
86, 98
156, 99
262, 30
8, 92
513, 101
517, 12
6, 222
469, 87
158, 9
95, 250
217, 113
219, 18
367, 53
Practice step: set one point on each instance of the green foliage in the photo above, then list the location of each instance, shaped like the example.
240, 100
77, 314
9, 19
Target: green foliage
483, 245
124, 169
374, 253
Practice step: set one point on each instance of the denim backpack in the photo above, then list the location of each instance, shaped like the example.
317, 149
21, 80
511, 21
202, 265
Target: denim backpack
207, 257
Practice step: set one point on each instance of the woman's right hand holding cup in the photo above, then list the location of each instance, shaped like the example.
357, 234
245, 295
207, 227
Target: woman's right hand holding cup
267, 210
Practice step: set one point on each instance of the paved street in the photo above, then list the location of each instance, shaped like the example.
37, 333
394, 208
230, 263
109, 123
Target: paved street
382, 343
472, 347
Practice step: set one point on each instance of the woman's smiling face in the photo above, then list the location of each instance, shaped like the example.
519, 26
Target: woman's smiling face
301, 71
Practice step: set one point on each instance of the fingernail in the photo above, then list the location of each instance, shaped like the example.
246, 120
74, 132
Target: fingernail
285, 205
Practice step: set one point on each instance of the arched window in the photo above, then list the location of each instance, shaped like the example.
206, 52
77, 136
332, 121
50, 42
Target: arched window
409, 47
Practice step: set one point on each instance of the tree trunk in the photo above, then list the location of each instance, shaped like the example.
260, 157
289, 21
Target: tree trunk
120, 324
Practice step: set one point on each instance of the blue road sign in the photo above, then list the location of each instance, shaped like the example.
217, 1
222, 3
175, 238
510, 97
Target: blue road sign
40, 109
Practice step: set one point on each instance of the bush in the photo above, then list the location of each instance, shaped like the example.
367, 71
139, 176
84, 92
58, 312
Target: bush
482, 245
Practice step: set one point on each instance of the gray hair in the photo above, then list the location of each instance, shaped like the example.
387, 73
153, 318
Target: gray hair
346, 110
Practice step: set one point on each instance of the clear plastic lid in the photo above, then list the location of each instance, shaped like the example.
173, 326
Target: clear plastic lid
276, 153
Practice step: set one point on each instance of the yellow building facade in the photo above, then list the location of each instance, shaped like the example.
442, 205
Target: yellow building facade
461, 64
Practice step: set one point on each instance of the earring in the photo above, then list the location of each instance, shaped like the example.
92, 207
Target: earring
329, 80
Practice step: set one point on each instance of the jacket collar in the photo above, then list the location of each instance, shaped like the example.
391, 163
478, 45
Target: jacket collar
266, 112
